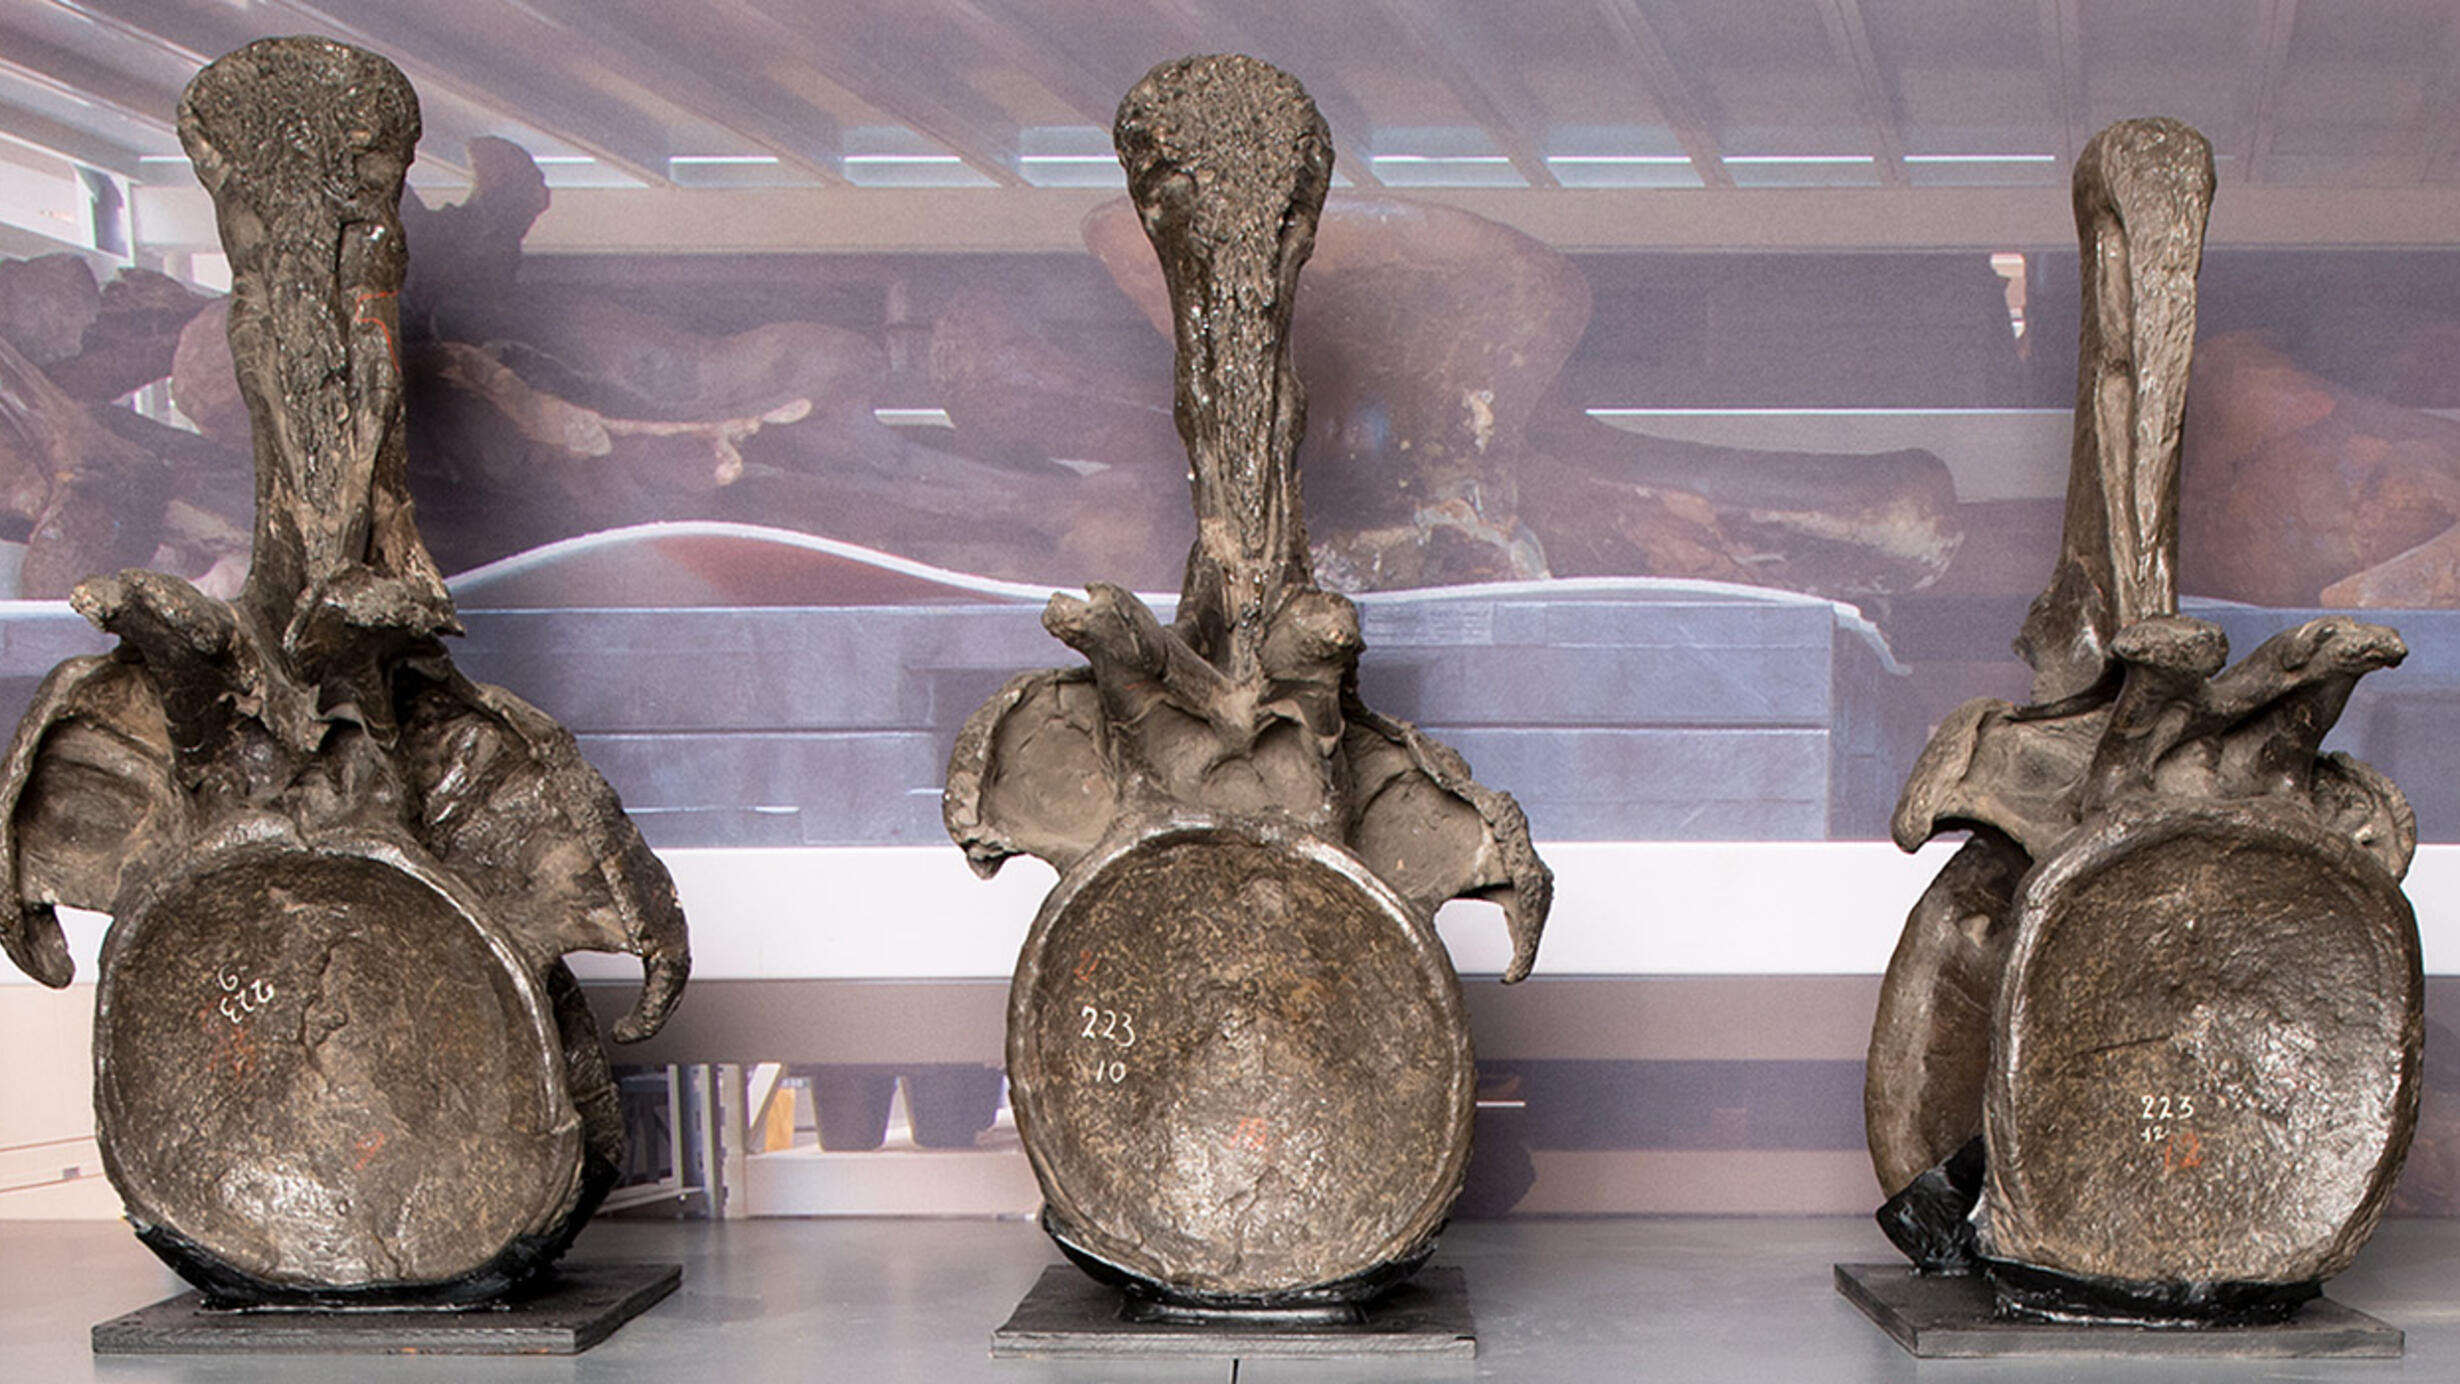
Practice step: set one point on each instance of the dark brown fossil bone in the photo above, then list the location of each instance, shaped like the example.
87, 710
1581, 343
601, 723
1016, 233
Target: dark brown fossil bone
1235, 1047
338, 1057
2170, 983
2303, 491
1443, 450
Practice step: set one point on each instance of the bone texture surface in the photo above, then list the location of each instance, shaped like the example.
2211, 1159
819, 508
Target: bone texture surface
1235, 1047
2148, 1047
338, 1057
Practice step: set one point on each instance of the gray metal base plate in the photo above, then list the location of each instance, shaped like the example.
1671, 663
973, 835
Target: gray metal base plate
1067, 1314
576, 1307
1956, 1318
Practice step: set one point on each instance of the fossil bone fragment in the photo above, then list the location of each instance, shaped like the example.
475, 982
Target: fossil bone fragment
2301, 491
1445, 450
1235, 1047
2168, 992
338, 1057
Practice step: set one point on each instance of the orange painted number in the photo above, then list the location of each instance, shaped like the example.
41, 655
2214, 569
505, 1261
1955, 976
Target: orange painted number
2184, 1149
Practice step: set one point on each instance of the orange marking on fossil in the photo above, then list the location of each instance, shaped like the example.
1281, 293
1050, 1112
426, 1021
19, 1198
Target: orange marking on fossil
1254, 1133
369, 1146
235, 1050
2174, 1158
1085, 963
360, 318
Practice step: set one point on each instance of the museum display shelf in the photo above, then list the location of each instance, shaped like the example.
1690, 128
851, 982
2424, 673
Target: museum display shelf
1556, 1300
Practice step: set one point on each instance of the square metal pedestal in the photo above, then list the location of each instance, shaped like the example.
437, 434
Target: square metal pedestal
1067, 1314
1938, 1317
575, 1308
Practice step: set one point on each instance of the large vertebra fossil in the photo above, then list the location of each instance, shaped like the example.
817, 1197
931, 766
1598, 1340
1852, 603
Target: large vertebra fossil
338, 1057
1235, 1046
2161, 1015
